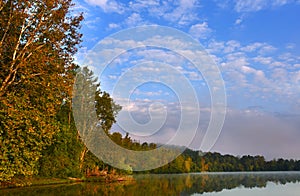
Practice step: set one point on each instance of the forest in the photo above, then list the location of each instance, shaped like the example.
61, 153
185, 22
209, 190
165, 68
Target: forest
38, 135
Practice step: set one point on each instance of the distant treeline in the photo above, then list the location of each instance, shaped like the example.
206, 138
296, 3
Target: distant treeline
193, 161
60, 164
197, 161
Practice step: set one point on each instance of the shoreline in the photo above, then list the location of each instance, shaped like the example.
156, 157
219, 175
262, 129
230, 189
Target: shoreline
110, 178
44, 181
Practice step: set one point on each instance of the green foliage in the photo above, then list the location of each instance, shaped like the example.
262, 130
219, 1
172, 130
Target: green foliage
37, 41
215, 162
68, 156
61, 159
91, 108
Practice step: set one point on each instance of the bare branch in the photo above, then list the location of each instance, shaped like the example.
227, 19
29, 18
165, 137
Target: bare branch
14, 65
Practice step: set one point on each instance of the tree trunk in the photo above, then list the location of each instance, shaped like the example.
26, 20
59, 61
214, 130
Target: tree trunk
82, 155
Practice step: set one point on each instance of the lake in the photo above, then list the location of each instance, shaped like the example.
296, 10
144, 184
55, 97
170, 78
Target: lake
208, 184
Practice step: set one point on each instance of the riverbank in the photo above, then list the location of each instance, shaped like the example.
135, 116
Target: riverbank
257, 183
41, 181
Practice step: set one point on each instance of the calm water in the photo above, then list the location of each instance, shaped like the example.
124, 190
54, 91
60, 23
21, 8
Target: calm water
273, 183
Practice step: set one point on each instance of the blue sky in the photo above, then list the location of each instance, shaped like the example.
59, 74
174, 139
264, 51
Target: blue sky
256, 46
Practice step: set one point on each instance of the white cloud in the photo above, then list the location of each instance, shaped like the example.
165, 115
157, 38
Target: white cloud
297, 65
280, 74
288, 57
236, 59
247, 69
108, 5
260, 47
215, 47
290, 46
279, 64
133, 20
112, 77
252, 47
238, 21
263, 60
231, 46
143, 4
257, 5
281, 2
113, 26
154, 8
200, 30
101, 3
260, 76
296, 77
163, 115
178, 13
252, 67
267, 49
250, 5
148, 93
184, 13
92, 23
243, 68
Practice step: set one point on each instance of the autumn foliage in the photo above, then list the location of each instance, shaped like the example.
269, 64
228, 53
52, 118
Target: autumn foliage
37, 42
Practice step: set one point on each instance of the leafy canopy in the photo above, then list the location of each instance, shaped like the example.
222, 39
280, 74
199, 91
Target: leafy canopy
38, 39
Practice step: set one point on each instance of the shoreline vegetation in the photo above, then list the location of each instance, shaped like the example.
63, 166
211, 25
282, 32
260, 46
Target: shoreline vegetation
188, 162
44, 181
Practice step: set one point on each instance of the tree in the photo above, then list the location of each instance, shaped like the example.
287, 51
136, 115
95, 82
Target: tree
188, 164
68, 155
92, 108
203, 165
106, 110
38, 39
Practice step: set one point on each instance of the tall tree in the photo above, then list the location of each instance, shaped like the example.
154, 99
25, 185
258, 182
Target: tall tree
38, 39
91, 108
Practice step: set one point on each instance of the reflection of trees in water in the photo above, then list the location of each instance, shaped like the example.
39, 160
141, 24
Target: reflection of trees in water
163, 184
195, 183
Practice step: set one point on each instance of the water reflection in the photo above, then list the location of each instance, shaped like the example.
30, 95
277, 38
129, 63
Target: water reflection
163, 184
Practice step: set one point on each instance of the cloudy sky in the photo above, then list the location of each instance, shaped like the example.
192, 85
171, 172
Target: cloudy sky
255, 47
